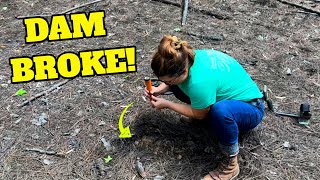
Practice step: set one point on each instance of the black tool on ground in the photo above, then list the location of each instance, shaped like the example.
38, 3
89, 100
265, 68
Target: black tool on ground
303, 116
267, 98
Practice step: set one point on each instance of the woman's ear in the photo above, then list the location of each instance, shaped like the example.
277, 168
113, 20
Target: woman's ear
185, 71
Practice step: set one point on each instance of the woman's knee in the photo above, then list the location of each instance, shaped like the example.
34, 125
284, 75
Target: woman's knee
221, 118
219, 109
223, 123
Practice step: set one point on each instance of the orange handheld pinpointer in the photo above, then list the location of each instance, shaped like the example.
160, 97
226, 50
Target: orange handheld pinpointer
148, 83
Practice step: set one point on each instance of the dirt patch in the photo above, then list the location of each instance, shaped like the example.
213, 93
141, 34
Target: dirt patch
267, 37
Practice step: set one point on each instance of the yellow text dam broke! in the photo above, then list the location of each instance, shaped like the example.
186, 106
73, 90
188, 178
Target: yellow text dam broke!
39, 29
70, 65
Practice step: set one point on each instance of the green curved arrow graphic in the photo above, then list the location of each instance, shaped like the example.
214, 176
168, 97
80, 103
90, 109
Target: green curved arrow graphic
124, 132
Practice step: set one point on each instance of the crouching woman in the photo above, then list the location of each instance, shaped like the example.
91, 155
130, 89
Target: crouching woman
213, 86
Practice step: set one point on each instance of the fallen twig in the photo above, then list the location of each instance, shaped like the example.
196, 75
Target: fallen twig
212, 38
47, 130
43, 92
216, 15
5, 116
85, 4
45, 152
317, 84
64, 12
75, 124
36, 15
9, 145
265, 80
299, 6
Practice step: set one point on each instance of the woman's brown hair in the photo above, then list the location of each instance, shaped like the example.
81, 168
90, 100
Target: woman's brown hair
172, 57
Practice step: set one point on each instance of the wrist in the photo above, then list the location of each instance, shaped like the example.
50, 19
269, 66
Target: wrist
169, 105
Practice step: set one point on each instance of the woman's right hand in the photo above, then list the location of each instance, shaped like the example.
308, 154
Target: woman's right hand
154, 92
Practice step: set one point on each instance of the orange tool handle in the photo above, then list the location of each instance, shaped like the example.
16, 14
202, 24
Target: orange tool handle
148, 83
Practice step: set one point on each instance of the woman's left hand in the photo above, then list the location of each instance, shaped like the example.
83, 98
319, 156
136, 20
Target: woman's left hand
159, 103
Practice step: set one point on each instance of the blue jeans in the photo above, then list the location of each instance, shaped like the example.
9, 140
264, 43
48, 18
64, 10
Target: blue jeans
229, 117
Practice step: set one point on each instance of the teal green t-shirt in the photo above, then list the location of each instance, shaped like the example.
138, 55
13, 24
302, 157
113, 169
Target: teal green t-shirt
216, 76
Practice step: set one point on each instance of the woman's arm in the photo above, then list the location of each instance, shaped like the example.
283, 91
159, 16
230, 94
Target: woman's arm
184, 109
162, 88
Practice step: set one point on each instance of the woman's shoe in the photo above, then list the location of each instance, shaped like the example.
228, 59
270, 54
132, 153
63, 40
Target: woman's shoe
227, 170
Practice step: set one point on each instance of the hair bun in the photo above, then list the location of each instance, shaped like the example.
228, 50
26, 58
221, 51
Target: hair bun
175, 43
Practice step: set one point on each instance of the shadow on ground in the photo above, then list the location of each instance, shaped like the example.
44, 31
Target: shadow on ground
182, 150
